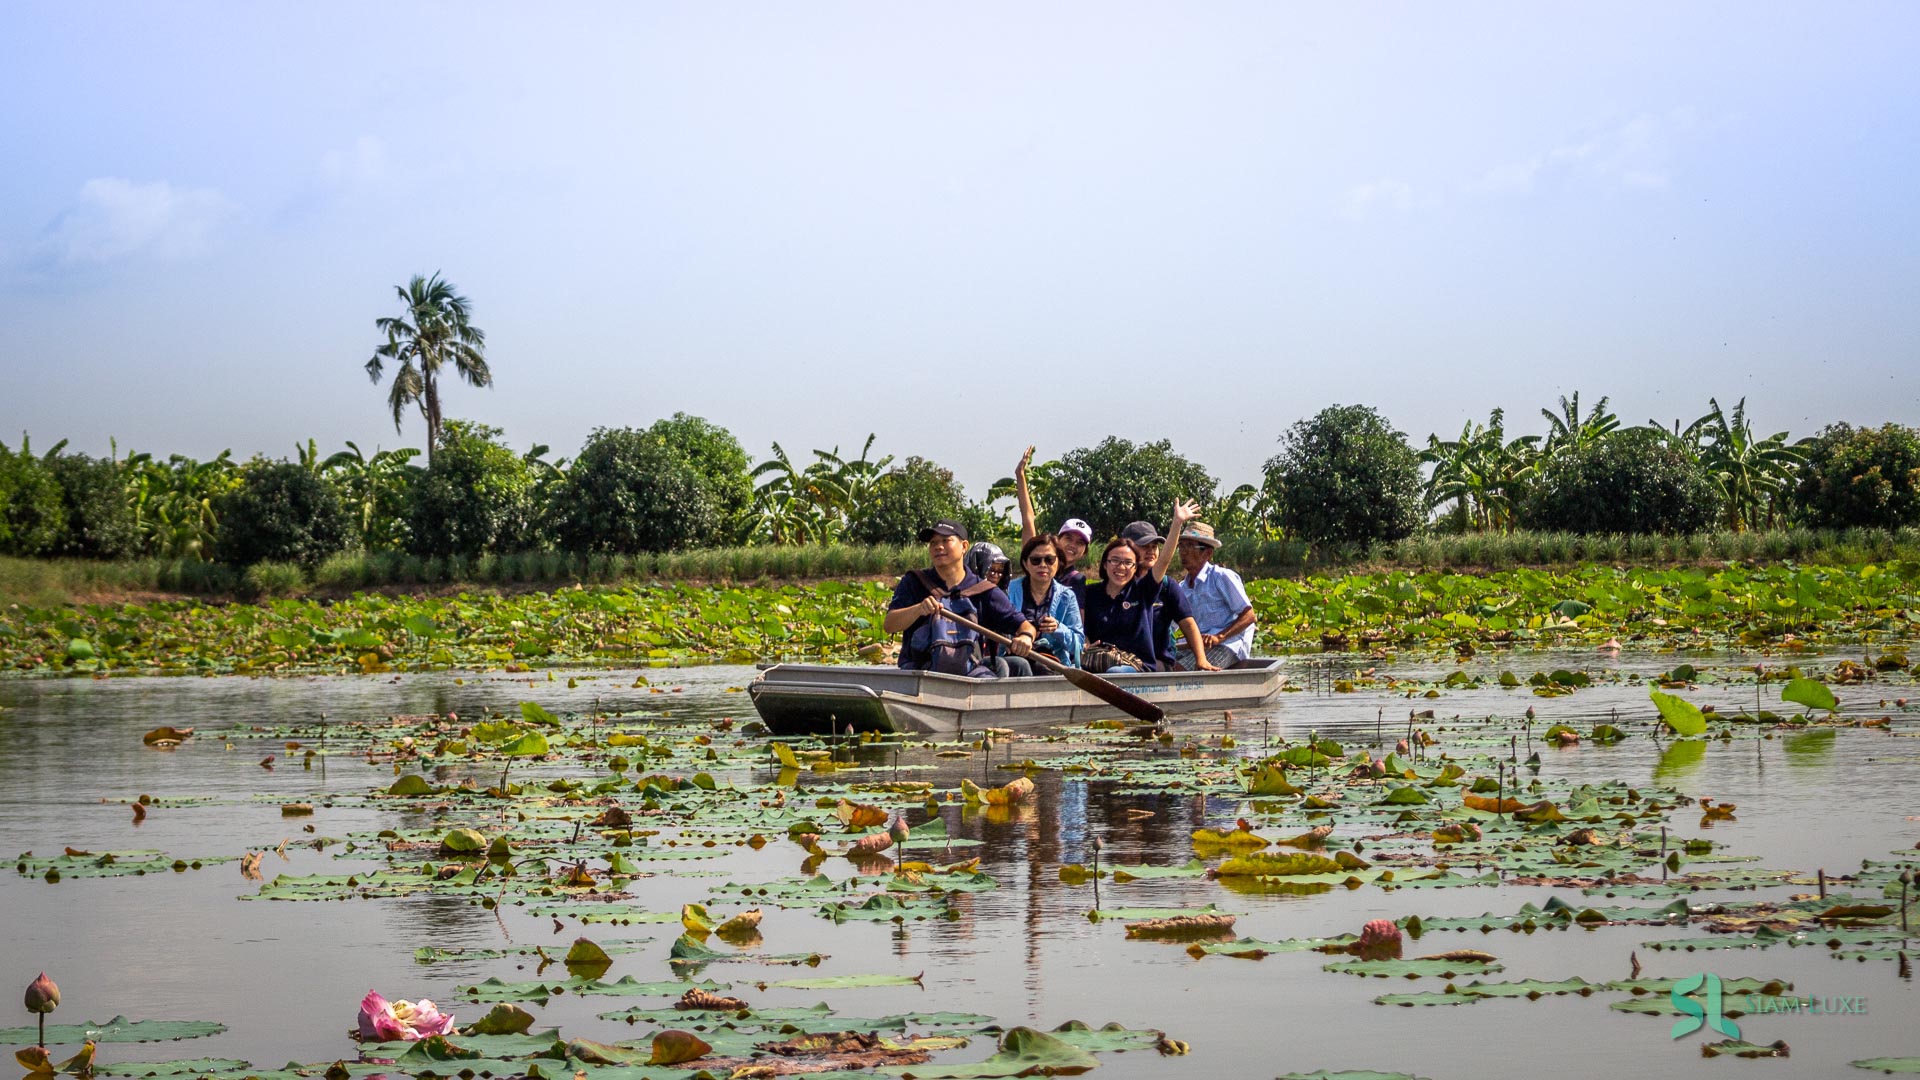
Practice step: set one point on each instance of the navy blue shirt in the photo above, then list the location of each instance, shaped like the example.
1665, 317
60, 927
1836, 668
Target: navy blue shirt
1173, 607
990, 608
1125, 621
1074, 579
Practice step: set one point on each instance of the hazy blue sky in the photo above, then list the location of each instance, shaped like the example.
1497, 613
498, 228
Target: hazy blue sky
963, 227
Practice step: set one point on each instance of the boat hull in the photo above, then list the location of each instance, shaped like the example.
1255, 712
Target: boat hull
802, 699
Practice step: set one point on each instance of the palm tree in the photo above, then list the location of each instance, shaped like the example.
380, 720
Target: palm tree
433, 331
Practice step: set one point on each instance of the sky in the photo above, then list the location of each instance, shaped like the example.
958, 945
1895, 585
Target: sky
962, 228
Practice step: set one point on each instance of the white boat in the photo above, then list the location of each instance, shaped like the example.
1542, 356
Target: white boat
800, 699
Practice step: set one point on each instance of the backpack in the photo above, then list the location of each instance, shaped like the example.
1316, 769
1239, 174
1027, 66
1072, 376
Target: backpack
947, 647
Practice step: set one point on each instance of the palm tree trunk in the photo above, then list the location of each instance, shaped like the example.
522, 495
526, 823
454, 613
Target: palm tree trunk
433, 412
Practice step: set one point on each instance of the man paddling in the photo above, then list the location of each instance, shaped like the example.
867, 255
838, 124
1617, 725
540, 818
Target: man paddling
929, 642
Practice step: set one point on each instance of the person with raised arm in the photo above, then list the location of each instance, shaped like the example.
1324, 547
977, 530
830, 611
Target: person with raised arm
1071, 539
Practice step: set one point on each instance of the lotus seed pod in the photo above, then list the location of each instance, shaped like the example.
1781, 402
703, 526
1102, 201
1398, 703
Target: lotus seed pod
42, 995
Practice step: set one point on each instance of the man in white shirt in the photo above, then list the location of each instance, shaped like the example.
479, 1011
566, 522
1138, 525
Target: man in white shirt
1219, 601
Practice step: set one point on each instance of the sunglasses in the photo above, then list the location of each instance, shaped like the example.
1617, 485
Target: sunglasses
1042, 560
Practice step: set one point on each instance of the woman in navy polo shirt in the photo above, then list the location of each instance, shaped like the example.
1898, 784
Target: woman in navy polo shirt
1119, 610
1123, 608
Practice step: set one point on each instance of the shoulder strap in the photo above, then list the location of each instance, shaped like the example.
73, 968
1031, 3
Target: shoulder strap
931, 583
976, 588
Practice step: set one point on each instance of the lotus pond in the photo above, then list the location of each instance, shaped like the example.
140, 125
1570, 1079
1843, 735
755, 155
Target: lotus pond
601, 868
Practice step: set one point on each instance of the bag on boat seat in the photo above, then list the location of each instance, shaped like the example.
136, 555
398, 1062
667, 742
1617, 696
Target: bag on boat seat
1100, 656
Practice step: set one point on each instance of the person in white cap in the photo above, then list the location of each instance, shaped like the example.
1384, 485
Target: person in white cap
1071, 539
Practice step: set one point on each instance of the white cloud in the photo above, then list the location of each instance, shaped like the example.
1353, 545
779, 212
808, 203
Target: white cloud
1634, 154
114, 219
1363, 200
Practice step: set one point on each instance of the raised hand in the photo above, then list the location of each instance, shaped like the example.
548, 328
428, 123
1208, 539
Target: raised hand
1184, 510
1026, 459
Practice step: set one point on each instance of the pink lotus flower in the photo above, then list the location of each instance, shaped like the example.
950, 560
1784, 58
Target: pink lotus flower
384, 1021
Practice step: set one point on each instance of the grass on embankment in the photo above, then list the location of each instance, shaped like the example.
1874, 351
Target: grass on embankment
40, 583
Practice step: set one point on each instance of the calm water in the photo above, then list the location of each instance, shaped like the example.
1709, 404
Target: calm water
286, 977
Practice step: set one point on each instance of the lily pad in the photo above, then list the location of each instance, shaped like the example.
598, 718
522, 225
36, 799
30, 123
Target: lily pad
117, 1030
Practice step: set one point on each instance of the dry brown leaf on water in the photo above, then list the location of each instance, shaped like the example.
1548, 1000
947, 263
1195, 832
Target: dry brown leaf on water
1181, 926
858, 815
696, 998
250, 865
673, 1046
139, 812
740, 925
165, 737
871, 844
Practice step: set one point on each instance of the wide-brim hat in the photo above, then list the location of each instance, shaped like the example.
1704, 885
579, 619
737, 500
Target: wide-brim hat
943, 527
1200, 533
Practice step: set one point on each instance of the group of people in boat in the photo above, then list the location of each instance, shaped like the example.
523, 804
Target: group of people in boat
1125, 620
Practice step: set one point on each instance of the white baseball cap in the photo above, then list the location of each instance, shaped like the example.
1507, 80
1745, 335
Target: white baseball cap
1075, 525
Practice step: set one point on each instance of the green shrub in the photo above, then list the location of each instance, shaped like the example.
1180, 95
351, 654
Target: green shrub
1633, 481
280, 512
476, 497
269, 578
906, 499
1346, 477
1861, 477
98, 516
1116, 482
632, 490
32, 516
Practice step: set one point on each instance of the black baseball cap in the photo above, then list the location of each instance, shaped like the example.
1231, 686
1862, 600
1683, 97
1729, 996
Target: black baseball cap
943, 527
1142, 532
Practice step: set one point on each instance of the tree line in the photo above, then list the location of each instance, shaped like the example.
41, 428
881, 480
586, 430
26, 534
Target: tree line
1344, 478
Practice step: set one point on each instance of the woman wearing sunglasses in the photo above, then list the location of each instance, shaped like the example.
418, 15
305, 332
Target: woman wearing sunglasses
1048, 605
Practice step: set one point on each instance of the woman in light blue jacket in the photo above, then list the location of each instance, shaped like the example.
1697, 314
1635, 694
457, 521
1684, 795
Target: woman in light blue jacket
1051, 608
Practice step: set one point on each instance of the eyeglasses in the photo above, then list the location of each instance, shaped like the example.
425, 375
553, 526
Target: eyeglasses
1192, 545
1042, 560
1118, 563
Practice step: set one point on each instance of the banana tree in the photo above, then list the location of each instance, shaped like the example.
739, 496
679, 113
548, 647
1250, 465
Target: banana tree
1753, 474
1482, 474
173, 504
1568, 430
375, 488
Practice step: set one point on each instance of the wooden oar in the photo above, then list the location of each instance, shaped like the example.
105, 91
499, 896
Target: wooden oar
1133, 706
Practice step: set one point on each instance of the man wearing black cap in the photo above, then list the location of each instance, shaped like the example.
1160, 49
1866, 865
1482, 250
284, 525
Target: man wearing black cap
931, 643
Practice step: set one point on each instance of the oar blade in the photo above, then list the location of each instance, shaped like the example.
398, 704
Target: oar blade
1134, 706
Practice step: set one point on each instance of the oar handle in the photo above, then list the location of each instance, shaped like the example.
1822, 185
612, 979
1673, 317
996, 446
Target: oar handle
1045, 660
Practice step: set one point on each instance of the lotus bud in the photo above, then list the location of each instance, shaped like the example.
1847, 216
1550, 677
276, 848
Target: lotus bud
898, 830
1401, 747
42, 995
1379, 940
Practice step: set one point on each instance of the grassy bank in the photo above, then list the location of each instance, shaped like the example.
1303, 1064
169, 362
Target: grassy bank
41, 583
